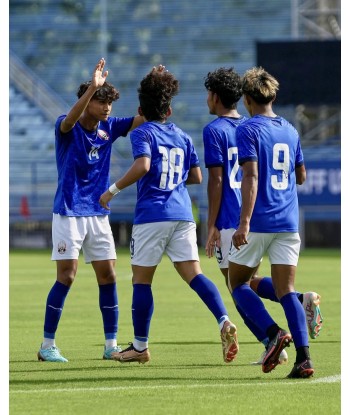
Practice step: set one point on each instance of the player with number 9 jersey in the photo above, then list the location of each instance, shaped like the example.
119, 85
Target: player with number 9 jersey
274, 143
272, 165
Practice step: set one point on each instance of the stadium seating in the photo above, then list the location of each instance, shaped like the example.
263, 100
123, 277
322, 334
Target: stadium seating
60, 42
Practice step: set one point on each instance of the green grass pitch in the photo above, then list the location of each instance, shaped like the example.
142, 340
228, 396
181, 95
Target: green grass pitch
186, 374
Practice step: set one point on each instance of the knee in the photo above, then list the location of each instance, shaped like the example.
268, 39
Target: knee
108, 278
66, 277
254, 282
236, 284
282, 291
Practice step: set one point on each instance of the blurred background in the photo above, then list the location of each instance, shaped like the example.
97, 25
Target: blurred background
55, 44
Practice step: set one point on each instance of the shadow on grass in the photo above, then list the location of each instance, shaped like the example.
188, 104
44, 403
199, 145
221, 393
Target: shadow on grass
124, 381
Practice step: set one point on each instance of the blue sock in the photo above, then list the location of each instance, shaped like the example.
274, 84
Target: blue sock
54, 307
295, 315
142, 310
266, 290
258, 333
109, 308
251, 305
210, 295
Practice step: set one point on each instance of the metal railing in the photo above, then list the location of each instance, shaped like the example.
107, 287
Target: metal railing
35, 89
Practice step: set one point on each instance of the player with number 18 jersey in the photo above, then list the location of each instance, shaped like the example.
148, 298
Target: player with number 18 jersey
165, 162
162, 193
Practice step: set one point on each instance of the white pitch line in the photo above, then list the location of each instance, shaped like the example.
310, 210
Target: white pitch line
328, 379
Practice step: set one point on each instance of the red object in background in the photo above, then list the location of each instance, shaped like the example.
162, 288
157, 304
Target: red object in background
25, 207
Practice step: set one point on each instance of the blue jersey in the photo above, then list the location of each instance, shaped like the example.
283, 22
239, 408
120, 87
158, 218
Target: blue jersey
162, 194
83, 162
274, 143
220, 150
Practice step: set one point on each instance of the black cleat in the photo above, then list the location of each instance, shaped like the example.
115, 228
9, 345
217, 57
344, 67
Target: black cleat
274, 349
302, 370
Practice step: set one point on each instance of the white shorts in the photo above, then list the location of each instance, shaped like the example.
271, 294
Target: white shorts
282, 248
222, 252
149, 241
92, 234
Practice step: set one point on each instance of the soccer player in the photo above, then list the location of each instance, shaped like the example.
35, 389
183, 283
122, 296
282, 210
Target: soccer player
270, 154
224, 86
165, 162
84, 138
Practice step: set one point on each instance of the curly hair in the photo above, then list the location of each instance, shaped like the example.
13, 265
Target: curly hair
260, 85
105, 93
227, 84
156, 91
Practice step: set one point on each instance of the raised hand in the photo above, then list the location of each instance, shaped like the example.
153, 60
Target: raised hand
98, 76
159, 69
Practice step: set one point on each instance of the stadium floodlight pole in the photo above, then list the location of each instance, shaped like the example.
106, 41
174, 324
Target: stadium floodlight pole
103, 29
294, 19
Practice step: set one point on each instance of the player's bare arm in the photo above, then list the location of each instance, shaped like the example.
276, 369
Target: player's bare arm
138, 169
138, 120
98, 79
249, 188
214, 190
194, 176
300, 173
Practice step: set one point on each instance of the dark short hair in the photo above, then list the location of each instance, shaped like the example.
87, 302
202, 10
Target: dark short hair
155, 93
105, 93
227, 84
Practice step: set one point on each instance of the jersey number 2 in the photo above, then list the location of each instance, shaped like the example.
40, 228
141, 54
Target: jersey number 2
234, 183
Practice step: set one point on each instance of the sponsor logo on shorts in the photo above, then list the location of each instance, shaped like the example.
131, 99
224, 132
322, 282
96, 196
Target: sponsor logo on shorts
61, 247
218, 254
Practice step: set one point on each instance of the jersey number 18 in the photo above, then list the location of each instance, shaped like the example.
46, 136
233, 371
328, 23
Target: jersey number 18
172, 162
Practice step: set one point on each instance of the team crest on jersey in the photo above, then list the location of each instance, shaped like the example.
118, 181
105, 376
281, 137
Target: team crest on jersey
61, 247
103, 135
